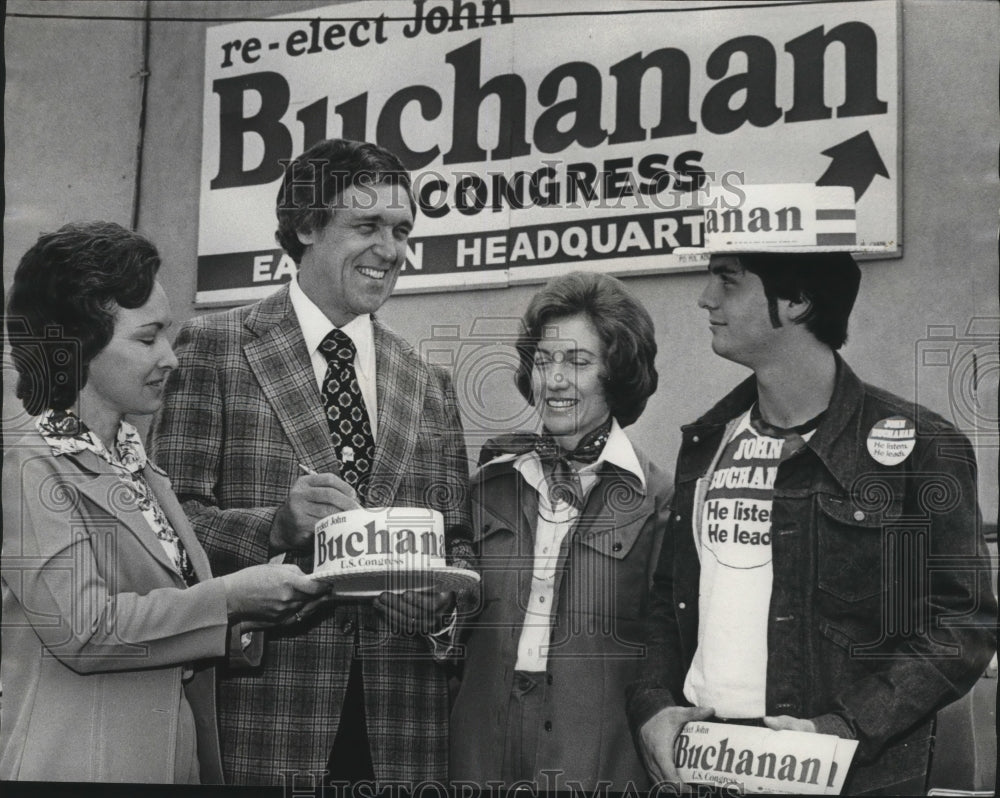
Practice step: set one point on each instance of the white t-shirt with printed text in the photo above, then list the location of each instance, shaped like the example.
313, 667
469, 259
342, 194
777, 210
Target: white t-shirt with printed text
729, 670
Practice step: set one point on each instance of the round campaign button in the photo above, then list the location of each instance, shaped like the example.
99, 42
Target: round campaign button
891, 440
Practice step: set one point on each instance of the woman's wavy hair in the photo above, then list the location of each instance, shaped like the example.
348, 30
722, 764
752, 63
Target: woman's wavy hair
62, 305
623, 325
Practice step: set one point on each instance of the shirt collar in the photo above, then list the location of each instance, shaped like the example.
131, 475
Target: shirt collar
316, 326
67, 434
618, 451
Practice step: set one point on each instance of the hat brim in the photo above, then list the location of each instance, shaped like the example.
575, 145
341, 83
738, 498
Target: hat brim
368, 584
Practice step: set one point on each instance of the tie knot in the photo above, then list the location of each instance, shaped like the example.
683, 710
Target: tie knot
338, 346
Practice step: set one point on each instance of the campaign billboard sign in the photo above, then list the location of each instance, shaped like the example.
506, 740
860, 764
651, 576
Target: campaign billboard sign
543, 136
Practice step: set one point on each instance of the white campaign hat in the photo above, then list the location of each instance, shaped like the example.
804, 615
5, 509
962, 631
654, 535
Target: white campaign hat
778, 217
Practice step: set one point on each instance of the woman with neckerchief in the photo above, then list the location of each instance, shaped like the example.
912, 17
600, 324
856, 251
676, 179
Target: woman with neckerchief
568, 524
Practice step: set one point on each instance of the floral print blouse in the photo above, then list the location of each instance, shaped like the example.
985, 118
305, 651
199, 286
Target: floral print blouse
65, 433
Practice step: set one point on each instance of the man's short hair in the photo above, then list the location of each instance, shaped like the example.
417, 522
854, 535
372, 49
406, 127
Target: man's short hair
827, 280
314, 181
623, 325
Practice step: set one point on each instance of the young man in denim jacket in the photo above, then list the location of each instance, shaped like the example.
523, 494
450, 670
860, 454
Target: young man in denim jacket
824, 567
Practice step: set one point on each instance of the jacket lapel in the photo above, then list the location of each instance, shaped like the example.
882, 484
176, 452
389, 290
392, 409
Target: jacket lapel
400, 386
99, 483
278, 358
505, 501
160, 485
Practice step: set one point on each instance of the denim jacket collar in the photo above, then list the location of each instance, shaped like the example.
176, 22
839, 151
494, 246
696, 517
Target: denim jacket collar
839, 439
839, 453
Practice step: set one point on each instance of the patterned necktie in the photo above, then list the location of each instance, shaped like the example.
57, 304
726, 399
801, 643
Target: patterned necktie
563, 479
346, 414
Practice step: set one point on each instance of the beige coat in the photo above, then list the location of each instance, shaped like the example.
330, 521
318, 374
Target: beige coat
97, 626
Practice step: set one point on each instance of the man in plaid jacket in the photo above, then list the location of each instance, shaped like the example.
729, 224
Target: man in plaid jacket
354, 687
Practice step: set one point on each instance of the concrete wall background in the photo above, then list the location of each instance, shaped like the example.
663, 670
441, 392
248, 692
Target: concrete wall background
72, 110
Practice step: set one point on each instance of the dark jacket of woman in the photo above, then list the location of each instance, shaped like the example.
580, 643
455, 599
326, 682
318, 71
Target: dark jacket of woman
601, 594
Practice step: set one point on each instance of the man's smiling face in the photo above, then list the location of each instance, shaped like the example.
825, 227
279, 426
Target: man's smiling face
350, 266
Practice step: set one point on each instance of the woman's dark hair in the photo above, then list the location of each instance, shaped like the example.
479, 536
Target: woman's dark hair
61, 309
829, 281
313, 182
622, 324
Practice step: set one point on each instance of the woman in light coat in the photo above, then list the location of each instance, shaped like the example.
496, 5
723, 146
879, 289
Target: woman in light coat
112, 622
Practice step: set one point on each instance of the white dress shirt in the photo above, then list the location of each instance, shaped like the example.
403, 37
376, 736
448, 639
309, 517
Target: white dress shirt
316, 326
555, 520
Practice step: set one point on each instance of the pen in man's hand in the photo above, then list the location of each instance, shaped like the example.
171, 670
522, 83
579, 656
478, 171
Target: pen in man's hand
335, 470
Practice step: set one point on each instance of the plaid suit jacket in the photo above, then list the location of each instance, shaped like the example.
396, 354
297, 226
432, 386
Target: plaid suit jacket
240, 413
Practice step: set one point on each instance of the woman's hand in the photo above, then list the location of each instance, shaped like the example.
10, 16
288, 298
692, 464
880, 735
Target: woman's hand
271, 594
